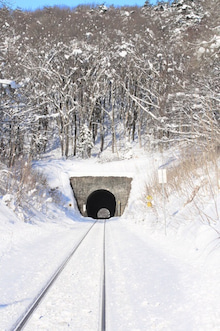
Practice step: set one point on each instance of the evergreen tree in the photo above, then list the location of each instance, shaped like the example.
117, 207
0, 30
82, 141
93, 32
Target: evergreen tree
85, 142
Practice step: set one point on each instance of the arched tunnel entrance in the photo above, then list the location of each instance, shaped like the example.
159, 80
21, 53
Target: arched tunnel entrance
101, 204
101, 196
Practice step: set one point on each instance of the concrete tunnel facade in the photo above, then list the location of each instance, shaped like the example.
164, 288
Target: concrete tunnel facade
101, 197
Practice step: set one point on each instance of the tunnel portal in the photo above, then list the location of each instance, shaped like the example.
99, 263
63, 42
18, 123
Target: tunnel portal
101, 204
101, 197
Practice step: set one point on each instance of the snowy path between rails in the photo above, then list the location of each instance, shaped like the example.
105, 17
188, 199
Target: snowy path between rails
74, 300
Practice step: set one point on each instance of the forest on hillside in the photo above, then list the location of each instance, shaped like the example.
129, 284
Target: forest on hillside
70, 78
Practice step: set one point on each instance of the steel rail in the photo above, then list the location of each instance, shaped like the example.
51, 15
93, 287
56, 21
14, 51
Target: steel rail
23, 319
103, 307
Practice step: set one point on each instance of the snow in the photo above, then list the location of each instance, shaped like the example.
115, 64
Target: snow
156, 279
7, 82
216, 43
123, 53
83, 271
77, 51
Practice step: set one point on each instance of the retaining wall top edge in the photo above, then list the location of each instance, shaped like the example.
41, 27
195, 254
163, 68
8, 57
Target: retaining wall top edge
107, 176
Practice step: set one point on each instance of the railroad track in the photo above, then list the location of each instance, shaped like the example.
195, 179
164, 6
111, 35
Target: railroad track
75, 296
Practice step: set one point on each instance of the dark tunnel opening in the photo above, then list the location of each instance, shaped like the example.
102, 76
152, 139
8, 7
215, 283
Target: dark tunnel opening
101, 204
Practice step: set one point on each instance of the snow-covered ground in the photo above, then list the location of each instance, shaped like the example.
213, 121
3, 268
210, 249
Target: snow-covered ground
156, 279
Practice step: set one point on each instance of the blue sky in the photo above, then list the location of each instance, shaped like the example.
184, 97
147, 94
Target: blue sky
32, 5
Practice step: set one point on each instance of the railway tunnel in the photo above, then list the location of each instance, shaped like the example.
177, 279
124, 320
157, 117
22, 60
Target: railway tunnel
101, 204
101, 197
